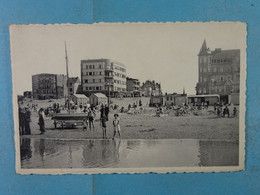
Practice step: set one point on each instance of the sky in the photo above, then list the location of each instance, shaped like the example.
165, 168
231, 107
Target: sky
164, 52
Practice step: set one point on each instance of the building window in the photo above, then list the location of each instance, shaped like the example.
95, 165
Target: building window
90, 88
215, 69
86, 80
93, 80
86, 66
221, 78
100, 73
86, 88
221, 69
90, 73
100, 66
100, 80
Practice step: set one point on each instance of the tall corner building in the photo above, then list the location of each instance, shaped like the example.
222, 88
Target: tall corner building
103, 76
219, 71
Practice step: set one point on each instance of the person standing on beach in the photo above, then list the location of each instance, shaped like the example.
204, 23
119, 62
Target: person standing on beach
102, 111
103, 124
106, 111
116, 126
91, 116
41, 121
27, 120
21, 121
85, 124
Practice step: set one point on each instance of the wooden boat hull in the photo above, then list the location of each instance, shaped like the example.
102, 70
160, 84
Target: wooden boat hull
72, 119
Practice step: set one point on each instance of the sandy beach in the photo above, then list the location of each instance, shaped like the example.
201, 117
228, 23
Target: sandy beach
146, 125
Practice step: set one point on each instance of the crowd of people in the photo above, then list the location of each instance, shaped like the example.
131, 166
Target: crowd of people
104, 117
88, 122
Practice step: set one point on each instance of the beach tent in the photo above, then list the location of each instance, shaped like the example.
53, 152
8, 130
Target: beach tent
80, 99
97, 99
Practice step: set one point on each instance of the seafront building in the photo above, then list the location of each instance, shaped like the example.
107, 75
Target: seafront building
151, 88
133, 87
74, 85
103, 76
49, 86
219, 72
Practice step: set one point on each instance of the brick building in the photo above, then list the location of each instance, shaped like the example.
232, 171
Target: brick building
219, 71
49, 86
103, 75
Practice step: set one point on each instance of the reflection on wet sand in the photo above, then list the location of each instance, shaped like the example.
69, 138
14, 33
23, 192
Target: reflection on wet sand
50, 153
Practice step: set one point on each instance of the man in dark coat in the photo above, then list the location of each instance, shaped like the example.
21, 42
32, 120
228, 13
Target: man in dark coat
21, 121
41, 122
27, 120
106, 111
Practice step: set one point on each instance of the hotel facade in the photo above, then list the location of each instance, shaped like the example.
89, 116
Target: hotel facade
219, 71
103, 76
49, 86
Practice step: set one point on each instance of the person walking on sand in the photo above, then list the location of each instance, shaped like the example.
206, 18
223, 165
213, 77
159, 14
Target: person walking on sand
116, 126
91, 116
41, 121
103, 124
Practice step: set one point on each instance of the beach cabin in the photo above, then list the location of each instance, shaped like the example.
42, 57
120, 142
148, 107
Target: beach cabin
80, 99
210, 99
97, 99
175, 99
157, 101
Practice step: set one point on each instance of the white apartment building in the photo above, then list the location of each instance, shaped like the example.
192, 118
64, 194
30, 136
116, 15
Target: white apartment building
103, 76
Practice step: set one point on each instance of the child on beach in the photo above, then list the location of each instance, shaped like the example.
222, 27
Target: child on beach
85, 124
116, 126
103, 124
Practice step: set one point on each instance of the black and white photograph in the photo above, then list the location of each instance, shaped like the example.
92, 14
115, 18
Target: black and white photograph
129, 97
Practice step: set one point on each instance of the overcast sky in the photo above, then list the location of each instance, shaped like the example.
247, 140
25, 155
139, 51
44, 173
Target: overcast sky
164, 52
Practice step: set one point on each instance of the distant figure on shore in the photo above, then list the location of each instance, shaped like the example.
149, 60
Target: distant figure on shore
106, 111
103, 124
140, 103
116, 126
102, 111
27, 121
21, 121
41, 121
85, 124
91, 116
235, 112
225, 111
129, 107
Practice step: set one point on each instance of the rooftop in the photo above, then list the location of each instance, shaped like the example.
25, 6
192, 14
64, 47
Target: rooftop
80, 96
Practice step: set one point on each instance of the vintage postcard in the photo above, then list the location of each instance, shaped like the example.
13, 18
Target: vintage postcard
129, 97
